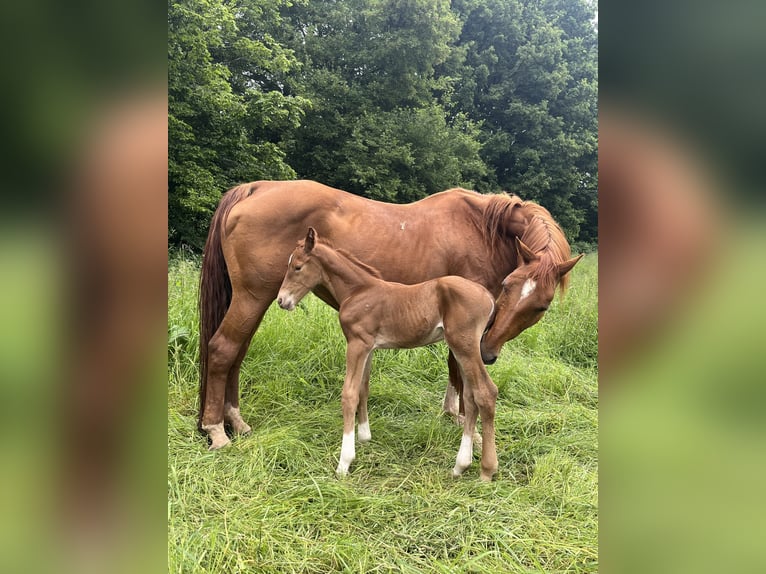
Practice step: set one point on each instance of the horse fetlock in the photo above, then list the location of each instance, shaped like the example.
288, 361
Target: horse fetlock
487, 473
347, 454
363, 432
218, 438
464, 455
233, 417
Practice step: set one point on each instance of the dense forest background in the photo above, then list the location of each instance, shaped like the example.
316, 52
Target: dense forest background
389, 99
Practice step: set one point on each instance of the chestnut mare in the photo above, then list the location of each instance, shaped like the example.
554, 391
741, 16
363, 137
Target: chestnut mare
376, 314
513, 248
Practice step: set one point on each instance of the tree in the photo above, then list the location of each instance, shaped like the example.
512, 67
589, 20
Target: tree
529, 76
224, 111
376, 127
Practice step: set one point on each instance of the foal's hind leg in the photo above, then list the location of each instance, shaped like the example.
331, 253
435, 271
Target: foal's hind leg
357, 356
223, 350
363, 430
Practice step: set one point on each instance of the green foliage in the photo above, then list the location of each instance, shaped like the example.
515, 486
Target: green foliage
389, 99
223, 116
270, 501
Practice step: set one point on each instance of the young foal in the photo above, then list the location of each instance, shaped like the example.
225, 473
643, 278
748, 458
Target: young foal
375, 314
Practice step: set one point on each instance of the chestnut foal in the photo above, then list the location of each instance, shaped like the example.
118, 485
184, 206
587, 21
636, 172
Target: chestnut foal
375, 314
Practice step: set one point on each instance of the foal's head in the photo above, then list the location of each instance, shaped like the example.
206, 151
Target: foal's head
527, 293
304, 273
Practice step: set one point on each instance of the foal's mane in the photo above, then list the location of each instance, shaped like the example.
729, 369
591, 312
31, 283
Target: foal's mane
352, 259
541, 234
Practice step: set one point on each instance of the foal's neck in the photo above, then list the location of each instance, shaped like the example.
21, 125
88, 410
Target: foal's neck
343, 274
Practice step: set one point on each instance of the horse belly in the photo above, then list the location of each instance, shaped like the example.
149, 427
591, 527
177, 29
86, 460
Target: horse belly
398, 338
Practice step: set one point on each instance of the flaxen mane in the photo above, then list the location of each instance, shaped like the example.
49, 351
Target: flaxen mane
541, 234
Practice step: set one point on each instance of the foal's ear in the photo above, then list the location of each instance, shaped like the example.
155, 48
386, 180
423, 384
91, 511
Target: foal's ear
524, 253
310, 240
566, 267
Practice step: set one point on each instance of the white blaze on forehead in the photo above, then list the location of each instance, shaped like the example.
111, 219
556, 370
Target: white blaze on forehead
527, 289
290, 260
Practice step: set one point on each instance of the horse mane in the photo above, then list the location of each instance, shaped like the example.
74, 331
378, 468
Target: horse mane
352, 258
368, 268
541, 234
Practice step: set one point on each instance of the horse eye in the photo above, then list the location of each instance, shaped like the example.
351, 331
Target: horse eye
298, 267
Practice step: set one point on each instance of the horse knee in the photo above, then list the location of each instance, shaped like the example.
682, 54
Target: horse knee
486, 397
221, 354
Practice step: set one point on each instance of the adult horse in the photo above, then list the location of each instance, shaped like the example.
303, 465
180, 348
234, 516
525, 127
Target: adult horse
513, 248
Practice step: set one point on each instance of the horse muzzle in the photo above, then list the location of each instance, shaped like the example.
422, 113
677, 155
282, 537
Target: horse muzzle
286, 302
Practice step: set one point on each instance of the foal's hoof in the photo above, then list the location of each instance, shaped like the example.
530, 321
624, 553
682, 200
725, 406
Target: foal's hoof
341, 473
486, 475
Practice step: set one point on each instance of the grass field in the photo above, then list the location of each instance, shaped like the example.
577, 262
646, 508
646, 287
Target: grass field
270, 502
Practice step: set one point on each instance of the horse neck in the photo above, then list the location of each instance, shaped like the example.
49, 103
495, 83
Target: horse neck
342, 275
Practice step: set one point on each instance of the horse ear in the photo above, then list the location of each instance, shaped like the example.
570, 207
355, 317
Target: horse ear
524, 253
310, 240
566, 267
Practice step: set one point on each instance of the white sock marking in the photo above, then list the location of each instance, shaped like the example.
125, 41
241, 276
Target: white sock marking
464, 455
364, 431
347, 453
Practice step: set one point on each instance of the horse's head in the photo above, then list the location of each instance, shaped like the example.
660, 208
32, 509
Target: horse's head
303, 273
527, 293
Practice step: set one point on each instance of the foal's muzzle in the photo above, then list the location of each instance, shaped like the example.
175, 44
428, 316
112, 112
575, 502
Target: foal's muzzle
286, 303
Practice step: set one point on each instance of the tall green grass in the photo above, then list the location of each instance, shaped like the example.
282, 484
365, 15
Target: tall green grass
270, 502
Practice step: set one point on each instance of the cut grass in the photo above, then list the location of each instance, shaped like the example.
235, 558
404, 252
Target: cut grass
270, 501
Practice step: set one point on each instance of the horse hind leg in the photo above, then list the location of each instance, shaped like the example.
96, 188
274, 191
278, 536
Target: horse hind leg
231, 413
225, 348
363, 430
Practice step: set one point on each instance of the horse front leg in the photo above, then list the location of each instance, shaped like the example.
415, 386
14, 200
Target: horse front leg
485, 397
357, 354
465, 454
454, 399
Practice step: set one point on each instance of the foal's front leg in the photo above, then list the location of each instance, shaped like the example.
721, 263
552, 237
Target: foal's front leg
357, 355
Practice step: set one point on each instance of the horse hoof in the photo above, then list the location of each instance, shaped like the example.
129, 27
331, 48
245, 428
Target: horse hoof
486, 476
218, 443
241, 428
341, 473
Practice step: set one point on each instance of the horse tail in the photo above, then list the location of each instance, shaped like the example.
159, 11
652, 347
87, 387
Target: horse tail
214, 285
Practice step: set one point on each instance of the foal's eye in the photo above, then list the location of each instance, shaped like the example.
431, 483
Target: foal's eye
298, 267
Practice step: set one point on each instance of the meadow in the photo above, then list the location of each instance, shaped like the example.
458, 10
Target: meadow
270, 502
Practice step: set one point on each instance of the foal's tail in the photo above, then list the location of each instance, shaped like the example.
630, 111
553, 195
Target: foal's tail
214, 285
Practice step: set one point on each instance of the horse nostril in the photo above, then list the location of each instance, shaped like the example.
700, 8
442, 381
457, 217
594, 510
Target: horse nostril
279, 301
